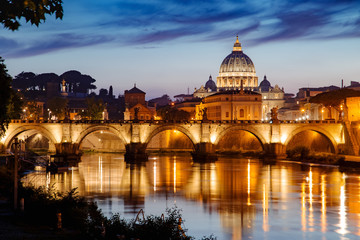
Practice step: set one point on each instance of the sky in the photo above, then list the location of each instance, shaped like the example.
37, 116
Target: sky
172, 46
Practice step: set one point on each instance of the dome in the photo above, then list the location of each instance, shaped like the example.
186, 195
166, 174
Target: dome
210, 84
237, 61
236, 70
265, 85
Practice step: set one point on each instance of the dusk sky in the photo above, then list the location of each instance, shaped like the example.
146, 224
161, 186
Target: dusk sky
168, 46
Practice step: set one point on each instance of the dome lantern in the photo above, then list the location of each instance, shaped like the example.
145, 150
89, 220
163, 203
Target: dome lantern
237, 45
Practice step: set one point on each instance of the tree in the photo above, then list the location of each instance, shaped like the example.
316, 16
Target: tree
78, 82
5, 96
24, 80
34, 11
103, 92
95, 109
334, 99
111, 94
11, 11
58, 107
173, 114
32, 110
15, 105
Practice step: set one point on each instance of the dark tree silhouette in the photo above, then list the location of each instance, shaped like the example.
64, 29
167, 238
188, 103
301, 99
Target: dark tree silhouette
5, 95
111, 94
103, 92
24, 80
78, 82
95, 109
58, 107
334, 99
171, 113
34, 11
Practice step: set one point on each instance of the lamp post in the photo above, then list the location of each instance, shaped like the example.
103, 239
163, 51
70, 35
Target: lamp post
16, 158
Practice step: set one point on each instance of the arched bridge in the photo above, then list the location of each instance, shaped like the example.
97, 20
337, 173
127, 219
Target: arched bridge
274, 138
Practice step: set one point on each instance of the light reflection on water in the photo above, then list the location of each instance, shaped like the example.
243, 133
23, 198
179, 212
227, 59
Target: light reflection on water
231, 198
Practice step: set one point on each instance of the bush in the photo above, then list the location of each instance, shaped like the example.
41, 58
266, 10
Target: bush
299, 152
152, 227
42, 206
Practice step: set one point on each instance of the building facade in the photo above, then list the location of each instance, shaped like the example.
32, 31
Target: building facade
230, 105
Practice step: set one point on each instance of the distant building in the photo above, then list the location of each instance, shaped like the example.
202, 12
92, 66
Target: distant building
272, 97
210, 88
135, 104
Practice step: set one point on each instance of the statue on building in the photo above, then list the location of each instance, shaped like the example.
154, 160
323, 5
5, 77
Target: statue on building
274, 115
136, 115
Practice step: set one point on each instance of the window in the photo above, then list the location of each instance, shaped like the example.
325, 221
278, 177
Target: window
242, 114
227, 114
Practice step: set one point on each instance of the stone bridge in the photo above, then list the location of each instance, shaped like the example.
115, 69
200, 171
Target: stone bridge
274, 137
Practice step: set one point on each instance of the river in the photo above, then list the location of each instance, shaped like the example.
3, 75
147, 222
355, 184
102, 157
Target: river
232, 198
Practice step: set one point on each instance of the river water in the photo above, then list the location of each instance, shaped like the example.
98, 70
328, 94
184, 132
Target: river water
233, 198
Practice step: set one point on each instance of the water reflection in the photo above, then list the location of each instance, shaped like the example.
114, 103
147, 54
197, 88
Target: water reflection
232, 198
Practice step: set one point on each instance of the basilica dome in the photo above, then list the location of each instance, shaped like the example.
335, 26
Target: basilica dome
237, 61
237, 70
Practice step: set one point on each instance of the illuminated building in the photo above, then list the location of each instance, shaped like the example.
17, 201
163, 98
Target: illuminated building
231, 105
135, 101
237, 70
272, 97
209, 89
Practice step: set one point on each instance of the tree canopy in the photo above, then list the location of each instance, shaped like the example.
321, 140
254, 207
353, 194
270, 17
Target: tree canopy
75, 81
58, 107
78, 82
334, 98
34, 11
95, 109
5, 94
173, 114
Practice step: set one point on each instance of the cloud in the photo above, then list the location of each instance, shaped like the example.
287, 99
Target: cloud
58, 42
170, 34
7, 44
143, 22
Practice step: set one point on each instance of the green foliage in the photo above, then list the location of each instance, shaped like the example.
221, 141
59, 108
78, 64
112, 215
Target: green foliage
34, 11
5, 96
15, 105
58, 107
169, 113
33, 111
152, 227
301, 152
95, 109
42, 206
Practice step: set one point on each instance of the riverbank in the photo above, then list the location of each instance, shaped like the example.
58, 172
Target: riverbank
13, 227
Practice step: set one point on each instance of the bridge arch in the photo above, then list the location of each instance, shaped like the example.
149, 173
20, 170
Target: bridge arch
98, 128
319, 130
249, 129
171, 127
25, 128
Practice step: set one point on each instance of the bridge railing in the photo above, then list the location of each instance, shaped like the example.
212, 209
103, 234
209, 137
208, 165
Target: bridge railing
175, 122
